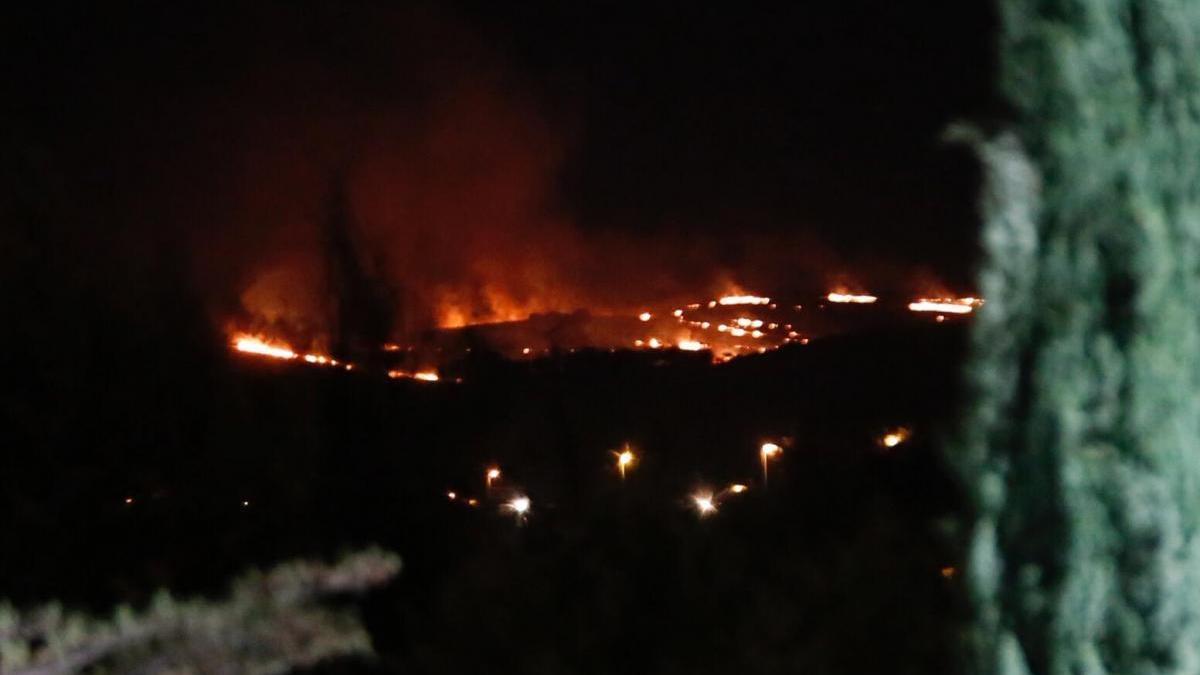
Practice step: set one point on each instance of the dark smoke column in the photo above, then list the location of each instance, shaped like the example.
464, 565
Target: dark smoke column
1082, 447
363, 303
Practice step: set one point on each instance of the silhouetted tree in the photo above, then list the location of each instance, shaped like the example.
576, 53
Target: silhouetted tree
364, 305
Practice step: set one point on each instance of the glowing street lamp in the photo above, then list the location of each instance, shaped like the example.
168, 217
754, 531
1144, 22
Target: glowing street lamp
519, 505
894, 437
625, 458
704, 504
767, 452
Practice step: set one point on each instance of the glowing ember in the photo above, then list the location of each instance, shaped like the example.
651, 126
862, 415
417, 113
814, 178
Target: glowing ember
945, 305
737, 488
742, 300
948, 572
645, 316
251, 345
851, 298
422, 375
690, 345
472, 502
703, 502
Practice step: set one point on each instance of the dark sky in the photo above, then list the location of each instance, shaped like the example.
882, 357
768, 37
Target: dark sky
811, 115
817, 120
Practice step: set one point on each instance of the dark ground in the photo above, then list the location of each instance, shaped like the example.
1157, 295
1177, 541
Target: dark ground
835, 569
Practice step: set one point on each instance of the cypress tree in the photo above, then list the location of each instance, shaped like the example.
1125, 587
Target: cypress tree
1082, 447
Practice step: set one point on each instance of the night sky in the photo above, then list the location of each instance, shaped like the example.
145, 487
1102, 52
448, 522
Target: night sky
815, 116
181, 130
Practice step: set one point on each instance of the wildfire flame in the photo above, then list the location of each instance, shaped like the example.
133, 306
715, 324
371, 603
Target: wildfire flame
858, 299
422, 375
251, 345
945, 305
275, 349
743, 300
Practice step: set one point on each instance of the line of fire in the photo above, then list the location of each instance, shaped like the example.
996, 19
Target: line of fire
734, 324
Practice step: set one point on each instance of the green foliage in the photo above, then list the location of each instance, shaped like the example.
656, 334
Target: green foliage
270, 623
1081, 447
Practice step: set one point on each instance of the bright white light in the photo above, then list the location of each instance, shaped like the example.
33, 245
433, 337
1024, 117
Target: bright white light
518, 505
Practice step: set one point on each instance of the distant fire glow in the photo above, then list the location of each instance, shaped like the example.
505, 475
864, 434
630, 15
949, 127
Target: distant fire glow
851, 298
275, 349
251, 345
945, 305
743, 300
422, 375
728, 326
